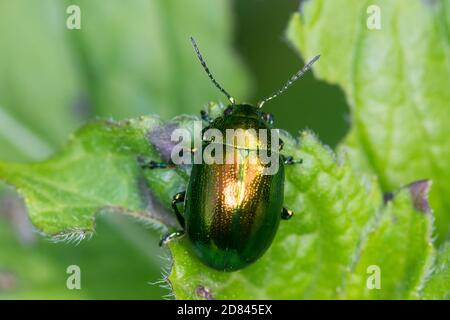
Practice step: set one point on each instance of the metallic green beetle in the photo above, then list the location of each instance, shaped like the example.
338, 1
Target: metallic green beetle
232, 210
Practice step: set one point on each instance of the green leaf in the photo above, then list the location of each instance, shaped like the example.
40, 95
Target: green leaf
437, 285
36, 107
400, 246
313, 252
396, 81
96, 171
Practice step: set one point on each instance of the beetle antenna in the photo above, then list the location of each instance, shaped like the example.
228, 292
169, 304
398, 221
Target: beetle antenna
202, 61
295, 77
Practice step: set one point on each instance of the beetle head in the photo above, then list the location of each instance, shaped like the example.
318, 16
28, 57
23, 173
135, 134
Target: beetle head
247, 111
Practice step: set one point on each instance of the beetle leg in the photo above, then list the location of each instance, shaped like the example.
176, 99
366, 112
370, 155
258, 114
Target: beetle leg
289, 160
151, 164
286, 214
178, 198
281, 142
171, 236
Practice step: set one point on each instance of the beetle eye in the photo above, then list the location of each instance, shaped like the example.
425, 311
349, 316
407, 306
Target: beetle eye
228, 111
267, 117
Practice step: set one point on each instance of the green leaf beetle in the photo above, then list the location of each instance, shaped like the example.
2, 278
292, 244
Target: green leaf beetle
232, 210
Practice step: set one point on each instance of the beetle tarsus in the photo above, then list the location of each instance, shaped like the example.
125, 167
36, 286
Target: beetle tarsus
169, 237
286, 214
178, 198
289, 160
281, 144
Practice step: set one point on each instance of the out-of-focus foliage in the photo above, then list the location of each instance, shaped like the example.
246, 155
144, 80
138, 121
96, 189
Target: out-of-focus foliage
396, 81
116, 265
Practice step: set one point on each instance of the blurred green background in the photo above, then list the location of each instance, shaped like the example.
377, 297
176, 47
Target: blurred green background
131, 58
